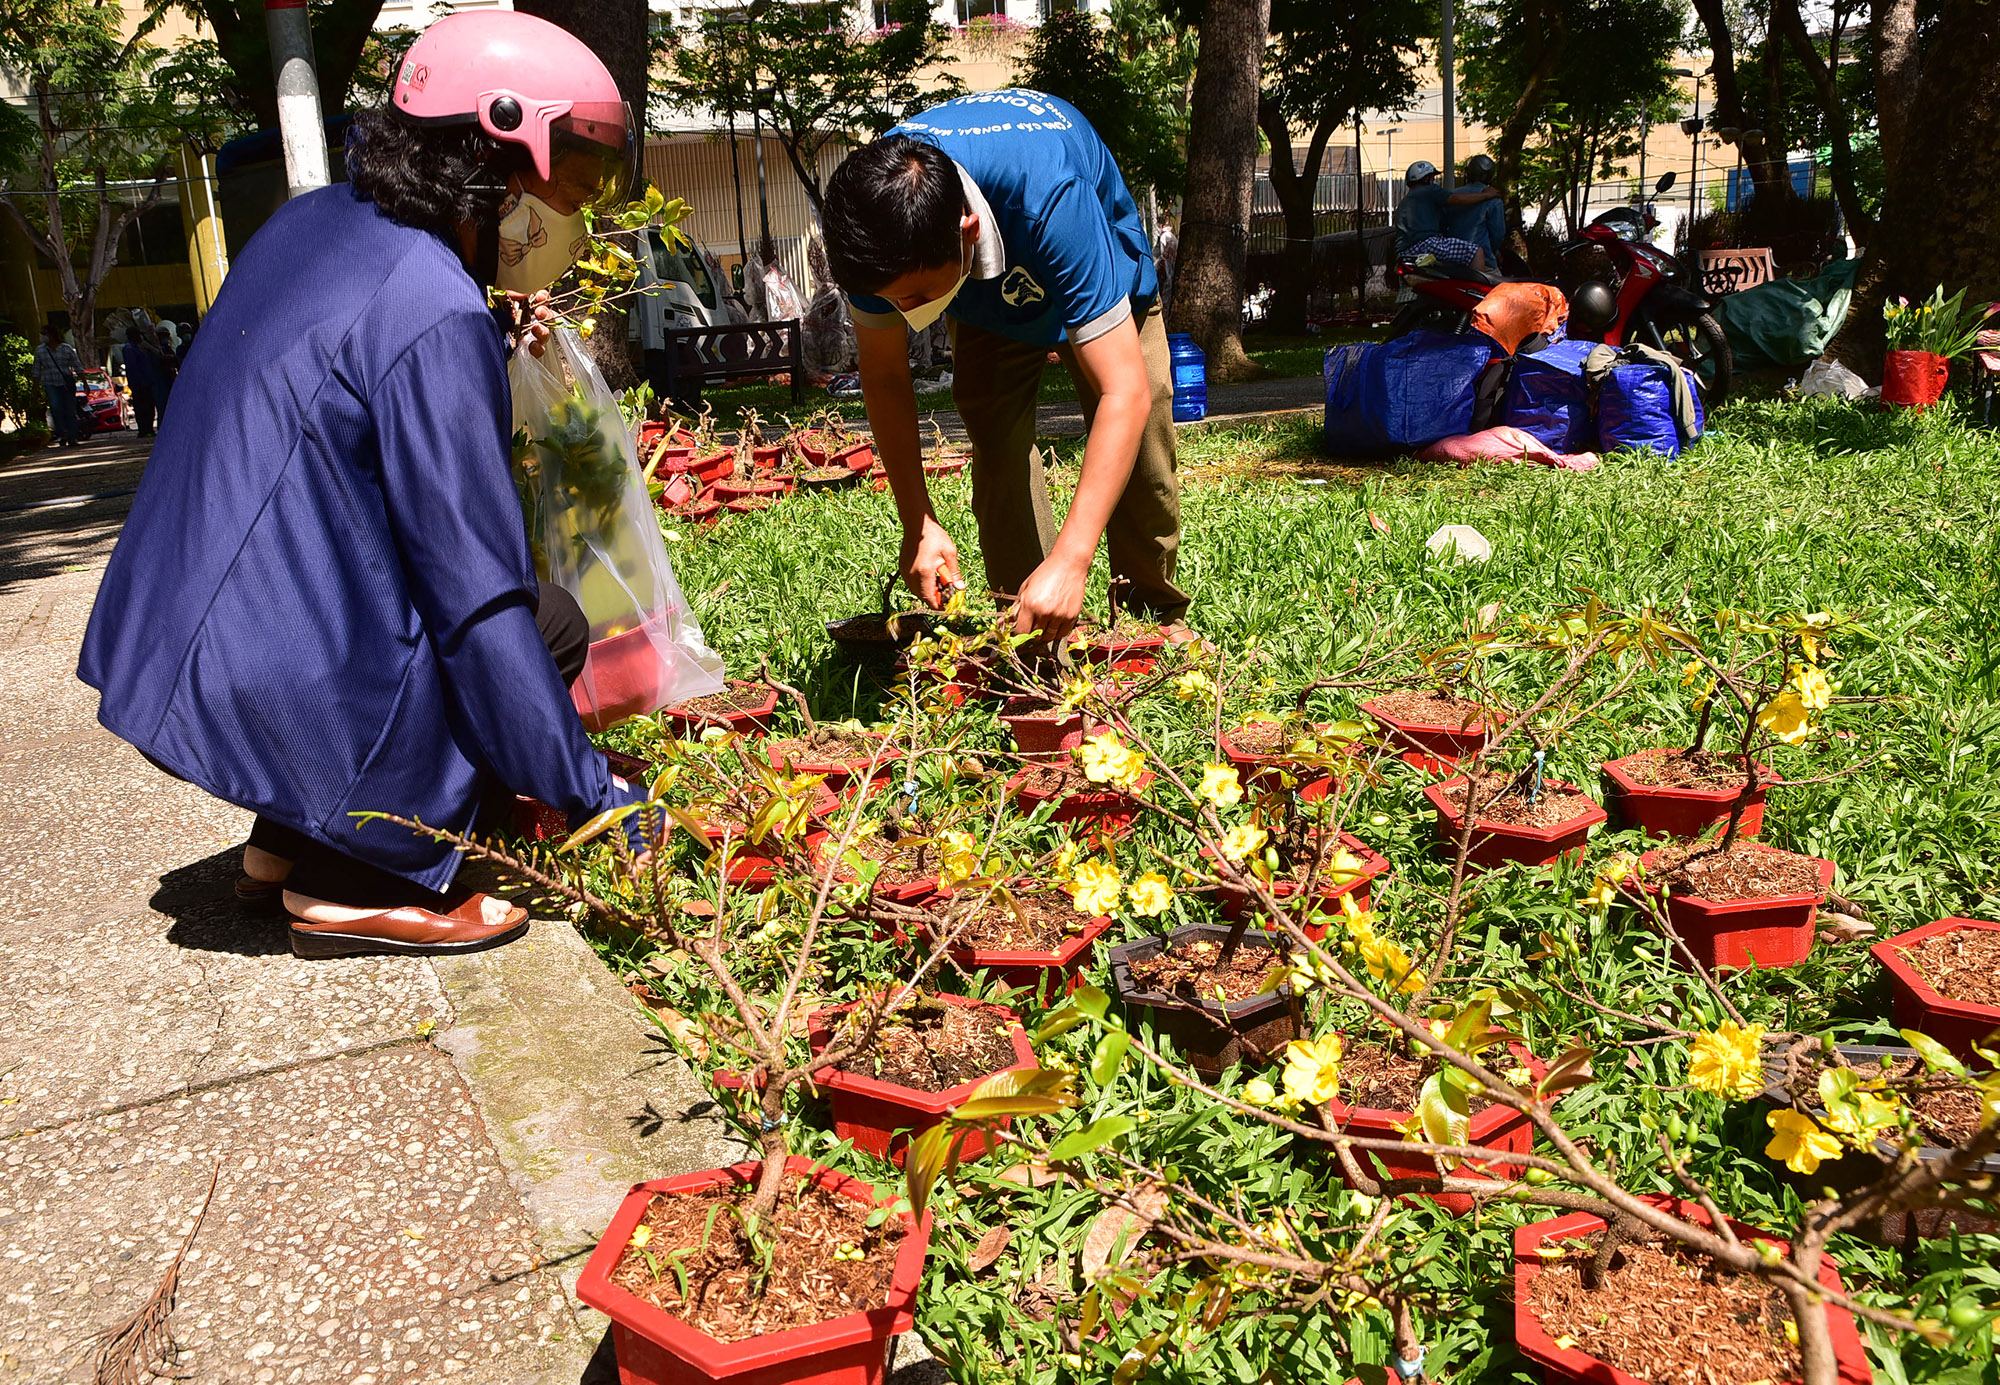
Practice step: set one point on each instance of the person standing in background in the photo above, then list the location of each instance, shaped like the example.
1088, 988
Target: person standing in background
57, 367
143, 371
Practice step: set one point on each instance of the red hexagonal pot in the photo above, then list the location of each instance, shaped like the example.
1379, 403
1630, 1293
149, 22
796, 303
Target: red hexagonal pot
1435, 747
1659, 811
1495, 1127
716, 466
1107, 811
1040, 729
1374, 865
837, 772
726, 491
1501, 843
882, 1117
1568, 1366
750, 721
1042, 973
656, 1348
1728, 935
1263, 770
1957, 1024
858, 457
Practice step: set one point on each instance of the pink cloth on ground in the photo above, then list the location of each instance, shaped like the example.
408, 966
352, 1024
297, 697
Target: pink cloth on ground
1504, 444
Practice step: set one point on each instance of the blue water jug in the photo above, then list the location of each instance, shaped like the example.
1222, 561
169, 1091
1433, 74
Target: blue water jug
1190, 378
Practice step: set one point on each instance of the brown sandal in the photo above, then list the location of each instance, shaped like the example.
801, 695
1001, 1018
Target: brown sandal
259, 896
410, 931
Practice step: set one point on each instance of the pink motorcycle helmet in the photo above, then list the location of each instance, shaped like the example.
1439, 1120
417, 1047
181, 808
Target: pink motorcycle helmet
527, 82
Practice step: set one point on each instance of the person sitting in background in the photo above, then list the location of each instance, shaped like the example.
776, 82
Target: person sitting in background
1420, 219
1482, 223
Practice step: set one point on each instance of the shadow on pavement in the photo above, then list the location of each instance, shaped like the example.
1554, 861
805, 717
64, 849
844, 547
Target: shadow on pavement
200, 901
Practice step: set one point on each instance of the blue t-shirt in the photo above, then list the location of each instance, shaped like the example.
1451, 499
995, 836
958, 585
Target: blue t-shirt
1483, 223
1420, 215
1061, 247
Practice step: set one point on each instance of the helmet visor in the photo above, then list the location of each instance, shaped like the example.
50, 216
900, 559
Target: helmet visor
593, 156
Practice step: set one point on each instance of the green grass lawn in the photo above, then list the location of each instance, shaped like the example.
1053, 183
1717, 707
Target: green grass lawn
1296, 565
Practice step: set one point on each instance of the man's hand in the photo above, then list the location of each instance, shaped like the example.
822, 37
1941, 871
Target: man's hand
930, 562
1051, 598
531, 320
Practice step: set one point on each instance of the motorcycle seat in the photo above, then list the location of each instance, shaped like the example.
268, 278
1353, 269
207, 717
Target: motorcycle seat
1451, 269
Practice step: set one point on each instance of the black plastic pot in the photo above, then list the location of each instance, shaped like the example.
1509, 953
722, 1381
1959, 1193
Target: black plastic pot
1210, 1036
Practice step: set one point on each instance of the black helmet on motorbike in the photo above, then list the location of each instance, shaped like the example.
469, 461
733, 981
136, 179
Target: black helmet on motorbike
1479, 169
1592, 305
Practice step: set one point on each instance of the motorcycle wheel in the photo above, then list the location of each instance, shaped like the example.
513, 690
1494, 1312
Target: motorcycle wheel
1694, 341
1422, 312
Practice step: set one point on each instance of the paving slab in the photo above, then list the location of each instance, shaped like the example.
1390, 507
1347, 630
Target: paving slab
363, 1232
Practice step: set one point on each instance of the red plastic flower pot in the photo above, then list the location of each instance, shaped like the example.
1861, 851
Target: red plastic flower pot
882, 1117
726, 491
815, 447
716, 466
1568, 1366
538, 822
1767, 933
1500, 843
1494, 1127
656, 1348
1107, 810
948, 466
1040, 729
1138, 653
675, 492
859, 457
704, 512
1213, 1035
1434, 747
1957, 1024
837, 772
1914, 379
750, 721
1233, 901
652, 432
1660, 811
1263, 769
767, 458
620, 679
1044, 974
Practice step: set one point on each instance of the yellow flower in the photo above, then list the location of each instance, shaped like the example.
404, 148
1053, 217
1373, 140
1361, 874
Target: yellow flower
960, 857
1341, 867
1107, 760
1193, 686
1239, 842
1220, 786
1312, 1069
1815, 693
586, 327
640, 1236
1064, 864
1604, 890
1075, 693
1799, 1142
1150, 894
1729, 1062
1784, 716
1689, 672
1259, 1092
1095, 888
1387, 960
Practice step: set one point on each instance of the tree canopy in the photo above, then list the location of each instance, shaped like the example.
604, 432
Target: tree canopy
1074, 57
347, 52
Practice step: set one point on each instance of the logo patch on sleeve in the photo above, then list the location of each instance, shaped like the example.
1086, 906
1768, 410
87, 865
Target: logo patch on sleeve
1020, 289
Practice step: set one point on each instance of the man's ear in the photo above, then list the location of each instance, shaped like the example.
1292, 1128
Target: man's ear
968, 227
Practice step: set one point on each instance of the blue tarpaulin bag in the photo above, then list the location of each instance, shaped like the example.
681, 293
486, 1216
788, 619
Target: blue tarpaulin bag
1402, 394
1548, 398
1635, 408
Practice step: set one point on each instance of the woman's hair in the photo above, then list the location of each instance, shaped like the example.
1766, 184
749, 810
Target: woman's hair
891, 207
433, 177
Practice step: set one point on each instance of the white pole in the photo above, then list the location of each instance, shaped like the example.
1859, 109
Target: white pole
1450, 102
290, 29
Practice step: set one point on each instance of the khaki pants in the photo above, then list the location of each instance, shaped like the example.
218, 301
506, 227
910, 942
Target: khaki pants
995, 381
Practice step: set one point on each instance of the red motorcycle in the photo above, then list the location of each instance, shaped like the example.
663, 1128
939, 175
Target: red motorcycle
1645, 300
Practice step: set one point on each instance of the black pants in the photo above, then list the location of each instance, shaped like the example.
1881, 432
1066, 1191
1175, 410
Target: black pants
324, 873
142, 409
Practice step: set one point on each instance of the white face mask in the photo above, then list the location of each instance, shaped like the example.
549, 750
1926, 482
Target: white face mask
924, 314
538, 244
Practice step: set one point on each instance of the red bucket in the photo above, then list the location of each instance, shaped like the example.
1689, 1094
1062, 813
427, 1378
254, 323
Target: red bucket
1914, 379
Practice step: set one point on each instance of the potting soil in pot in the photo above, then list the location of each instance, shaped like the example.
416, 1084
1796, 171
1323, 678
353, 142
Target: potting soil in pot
1038, 921
900, 865
1550, 808
1192, 970
1963, 965
737, 697
831, 745
1948, 1110
1684, 769
1060, 781
807, 1285
1384, 1080
1666, 1318
933, 1047
1743, 872
1427, 707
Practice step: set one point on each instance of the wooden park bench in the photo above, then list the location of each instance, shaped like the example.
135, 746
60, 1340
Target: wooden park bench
698, 356
1732, 271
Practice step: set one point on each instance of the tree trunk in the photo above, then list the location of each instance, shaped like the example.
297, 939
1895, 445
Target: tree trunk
1728, 109
1222, 164
1785, 15
1916, 247
1297, 191
1892, 35
615, 30
1545, 38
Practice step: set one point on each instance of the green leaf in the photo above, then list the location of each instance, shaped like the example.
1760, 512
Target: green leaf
1443, 1113
1094, 1136
924, 1163
696, 828
1110, 1056
988, 1108
1090, 1000
1139, 1358
1936, 1056
598, 826
1060, 1021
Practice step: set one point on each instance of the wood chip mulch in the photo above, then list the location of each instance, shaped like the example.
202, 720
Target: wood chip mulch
1683, 769
1191, 971
1743, 872
1667, 1318
1963, 964
736, 697
807, 1285
1551, 808
1035, 921
829, 746
1425, 707
935, 1047
1385, 1080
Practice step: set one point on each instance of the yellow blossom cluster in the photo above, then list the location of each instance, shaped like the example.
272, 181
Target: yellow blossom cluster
1096, 888
1220, 785
1728, 1062
1108, 760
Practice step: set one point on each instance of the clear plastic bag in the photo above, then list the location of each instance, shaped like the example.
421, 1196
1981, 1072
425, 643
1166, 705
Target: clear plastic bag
592, 528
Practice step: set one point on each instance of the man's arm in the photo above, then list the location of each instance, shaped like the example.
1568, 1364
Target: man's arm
1466, 199
891, 401
1112, 365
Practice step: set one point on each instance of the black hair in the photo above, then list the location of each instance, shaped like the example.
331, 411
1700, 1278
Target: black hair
433, 177
892, 207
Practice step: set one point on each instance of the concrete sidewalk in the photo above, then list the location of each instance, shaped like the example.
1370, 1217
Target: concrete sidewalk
414, 1158
1232, 404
